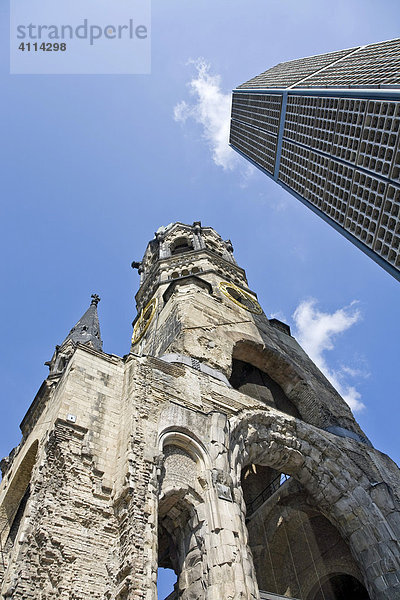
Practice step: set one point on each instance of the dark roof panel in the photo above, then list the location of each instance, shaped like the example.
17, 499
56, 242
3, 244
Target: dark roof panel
87, 328
289, 73
371, 65
376, 64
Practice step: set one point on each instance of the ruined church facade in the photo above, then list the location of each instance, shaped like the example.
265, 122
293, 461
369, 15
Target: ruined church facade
215, 448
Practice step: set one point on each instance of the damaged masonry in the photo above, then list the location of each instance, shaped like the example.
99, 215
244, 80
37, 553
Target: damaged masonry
215, 448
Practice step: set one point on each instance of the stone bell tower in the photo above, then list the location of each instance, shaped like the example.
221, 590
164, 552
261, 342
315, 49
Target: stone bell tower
215, 448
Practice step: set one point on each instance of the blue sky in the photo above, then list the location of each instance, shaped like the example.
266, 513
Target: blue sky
93, 165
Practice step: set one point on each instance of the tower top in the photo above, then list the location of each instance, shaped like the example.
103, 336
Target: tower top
87, 329
178, 238
179, 250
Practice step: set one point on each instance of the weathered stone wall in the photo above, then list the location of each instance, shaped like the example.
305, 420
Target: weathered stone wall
69, 525
361, 508
98, 486
208, 326
134, 487
216, 562
128, 463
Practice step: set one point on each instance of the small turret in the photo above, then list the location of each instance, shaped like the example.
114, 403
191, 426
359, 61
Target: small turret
86, 331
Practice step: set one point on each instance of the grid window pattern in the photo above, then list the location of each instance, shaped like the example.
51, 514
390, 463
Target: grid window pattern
363, 133
337, 191
375, 64
311, 120
261, 110
324, 182
287, 74
365, 205
257, 144
387, 241
299, 120
293, 168
349, 122
316, 180
395, 174
379, 137
325, 116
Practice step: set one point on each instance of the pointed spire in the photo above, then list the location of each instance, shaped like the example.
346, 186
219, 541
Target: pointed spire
87, 328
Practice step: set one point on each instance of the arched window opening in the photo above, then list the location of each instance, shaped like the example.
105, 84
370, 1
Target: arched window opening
214, 247
13, 507
12, 535
296, 549
250, 380
258, 484
339, 586
181, 245
168, 565
166, 580
179, 548
61, 364
180, 538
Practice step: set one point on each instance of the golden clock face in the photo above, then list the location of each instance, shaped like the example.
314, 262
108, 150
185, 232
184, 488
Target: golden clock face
240, 297
144, 320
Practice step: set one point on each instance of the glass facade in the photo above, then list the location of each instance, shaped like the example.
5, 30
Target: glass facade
327, 129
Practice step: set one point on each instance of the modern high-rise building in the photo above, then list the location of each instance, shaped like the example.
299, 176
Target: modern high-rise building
326, 128
215, 448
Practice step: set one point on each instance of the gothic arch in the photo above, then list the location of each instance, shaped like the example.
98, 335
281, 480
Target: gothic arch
330, 582
311, 399
180, 436
180, 523
180, 245
258, 384
269, 359
283, 371
295, 547
181, 543
338, 487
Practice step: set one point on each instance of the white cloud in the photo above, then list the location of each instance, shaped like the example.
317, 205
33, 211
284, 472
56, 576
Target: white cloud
355, 372
212, 110
278, 315
316, 332
278, 201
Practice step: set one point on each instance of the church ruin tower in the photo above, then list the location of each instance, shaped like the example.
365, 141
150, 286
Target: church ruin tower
215, 448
